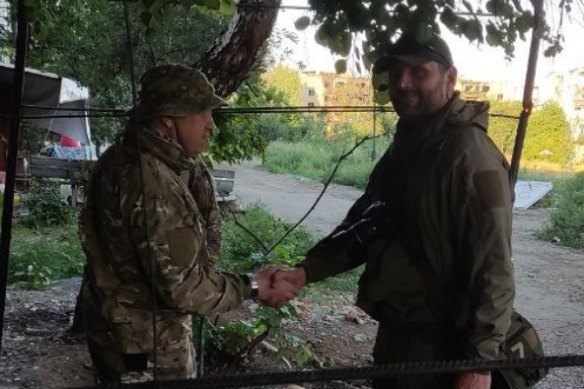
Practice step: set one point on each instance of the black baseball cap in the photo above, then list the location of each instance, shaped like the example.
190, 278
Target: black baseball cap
413, 51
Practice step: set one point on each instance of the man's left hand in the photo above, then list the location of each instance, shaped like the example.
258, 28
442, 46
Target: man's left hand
473, 380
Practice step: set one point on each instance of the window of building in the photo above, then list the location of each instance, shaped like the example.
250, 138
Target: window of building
500, 96
311, 92
311, 104
485, 88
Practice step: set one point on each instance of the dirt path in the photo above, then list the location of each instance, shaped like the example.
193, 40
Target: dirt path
550, 278
38, 353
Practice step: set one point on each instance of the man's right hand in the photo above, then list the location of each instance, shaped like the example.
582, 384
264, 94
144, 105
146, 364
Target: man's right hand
291, 278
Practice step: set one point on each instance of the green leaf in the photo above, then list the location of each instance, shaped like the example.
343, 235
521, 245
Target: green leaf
381, 97
341, 66
448, 17
524, 22
473, 30
228, 7
213, 4
302, 23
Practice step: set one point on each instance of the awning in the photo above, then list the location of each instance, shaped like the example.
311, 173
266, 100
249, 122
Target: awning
49, 90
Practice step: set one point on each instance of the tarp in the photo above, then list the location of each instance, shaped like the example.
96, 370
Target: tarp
528, 193
61, 152
49, 90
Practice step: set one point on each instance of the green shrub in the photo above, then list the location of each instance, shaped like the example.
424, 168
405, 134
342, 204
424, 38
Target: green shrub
567, 220
38, 256
46, 207
241, 252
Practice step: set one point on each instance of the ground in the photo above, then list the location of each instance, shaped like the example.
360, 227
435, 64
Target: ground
38, 352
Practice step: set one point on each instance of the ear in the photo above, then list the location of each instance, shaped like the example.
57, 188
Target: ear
167, 122
451, 77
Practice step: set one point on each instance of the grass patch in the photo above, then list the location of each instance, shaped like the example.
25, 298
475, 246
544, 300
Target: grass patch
317, 159
240, 252
567, 219
39, 256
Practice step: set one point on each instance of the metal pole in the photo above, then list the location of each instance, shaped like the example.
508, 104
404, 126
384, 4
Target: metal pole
16, 109
538, 26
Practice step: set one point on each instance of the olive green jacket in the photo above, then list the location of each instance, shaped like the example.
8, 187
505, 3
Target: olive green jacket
145, 241
448, 256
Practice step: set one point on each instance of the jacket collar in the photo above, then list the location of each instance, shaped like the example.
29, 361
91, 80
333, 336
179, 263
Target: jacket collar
161, 147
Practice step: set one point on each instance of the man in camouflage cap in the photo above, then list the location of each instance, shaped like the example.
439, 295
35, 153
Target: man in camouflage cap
144, 230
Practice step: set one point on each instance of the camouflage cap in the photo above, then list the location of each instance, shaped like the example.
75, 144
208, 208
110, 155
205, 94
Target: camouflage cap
175, 90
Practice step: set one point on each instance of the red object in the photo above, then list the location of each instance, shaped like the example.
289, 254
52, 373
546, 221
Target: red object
69, 142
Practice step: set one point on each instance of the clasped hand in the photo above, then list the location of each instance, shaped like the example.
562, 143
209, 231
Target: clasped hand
278, 284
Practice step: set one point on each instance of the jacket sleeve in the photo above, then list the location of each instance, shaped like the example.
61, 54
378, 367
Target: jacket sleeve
484, 206
202, 188
172, 249
331, 257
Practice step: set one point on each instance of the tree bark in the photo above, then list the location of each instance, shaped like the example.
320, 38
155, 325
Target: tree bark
235, 54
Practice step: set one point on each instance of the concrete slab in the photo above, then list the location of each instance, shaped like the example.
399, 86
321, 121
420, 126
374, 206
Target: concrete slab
528, 193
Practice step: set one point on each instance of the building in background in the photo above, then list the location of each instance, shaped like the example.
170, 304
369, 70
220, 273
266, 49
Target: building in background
567, 88
332, 89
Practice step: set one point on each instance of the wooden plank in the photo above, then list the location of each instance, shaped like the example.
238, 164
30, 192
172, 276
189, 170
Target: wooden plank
73, 170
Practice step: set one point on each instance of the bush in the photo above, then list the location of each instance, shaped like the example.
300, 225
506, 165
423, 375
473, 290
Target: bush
240, 252
45, 206
567, 220
39, 256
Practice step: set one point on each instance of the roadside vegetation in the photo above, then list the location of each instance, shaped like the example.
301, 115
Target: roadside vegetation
566, 224
45, 247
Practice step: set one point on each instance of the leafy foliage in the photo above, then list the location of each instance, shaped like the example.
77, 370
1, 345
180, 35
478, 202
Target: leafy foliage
45, 206
567, 220
86, 40
287, 81
38, 256
339, 21
240, 252
229, 342
239, 136
549, 135
548, 132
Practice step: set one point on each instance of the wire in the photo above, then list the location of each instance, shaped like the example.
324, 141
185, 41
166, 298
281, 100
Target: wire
144, 199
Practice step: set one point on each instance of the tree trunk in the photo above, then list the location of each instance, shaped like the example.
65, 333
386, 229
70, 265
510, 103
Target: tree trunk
227, 64
234, 55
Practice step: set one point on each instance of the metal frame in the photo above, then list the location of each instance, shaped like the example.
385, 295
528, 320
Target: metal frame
16, 116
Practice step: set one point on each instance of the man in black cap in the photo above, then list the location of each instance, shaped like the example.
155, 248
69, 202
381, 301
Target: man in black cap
433, 227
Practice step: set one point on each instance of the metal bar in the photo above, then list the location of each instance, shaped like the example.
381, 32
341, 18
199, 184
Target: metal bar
16, 107
538, 25
359, 373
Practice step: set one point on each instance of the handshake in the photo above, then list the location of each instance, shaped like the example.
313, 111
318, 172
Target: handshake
278, 284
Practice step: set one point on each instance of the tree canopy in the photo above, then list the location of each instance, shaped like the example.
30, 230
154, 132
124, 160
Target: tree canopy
548, 138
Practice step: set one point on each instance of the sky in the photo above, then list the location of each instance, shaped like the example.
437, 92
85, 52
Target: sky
473, 62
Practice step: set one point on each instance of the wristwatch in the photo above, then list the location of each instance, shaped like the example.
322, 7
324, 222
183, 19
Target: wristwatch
250, 279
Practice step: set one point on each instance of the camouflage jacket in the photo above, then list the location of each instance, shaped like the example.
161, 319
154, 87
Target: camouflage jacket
202, 188
450, 203
144, 235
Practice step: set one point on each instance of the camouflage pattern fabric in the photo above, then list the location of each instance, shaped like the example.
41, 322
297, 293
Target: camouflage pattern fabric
202, 187
146, 245
175, 90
